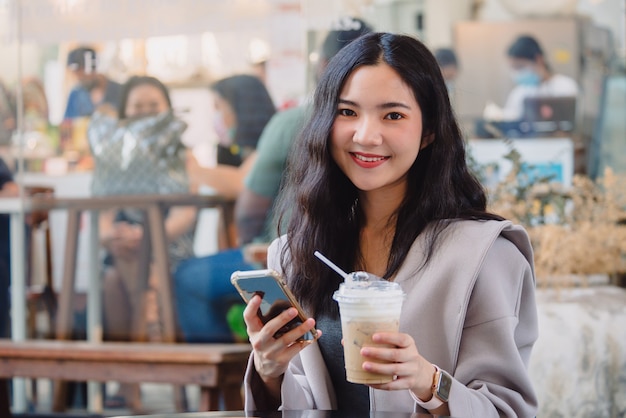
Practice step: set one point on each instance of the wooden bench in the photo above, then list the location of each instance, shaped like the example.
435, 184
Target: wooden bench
217, 368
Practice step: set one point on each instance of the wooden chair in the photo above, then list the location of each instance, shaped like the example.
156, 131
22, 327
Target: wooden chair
226, 230
40, 297
40, 294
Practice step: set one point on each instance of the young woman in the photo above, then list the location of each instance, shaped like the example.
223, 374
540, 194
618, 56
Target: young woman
378, 182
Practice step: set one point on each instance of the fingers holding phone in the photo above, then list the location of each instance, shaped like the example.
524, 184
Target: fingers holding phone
250, 316
271, 353
277, 326
275, 299
283, 322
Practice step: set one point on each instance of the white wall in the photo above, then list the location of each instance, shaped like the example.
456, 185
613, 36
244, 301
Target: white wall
31, 61
442, 15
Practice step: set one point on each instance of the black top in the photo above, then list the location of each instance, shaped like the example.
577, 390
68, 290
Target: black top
5, 177
350, 396
5, 256
5, 174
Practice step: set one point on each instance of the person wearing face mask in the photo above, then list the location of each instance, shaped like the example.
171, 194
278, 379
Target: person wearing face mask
137, 151
533, 77
243, 107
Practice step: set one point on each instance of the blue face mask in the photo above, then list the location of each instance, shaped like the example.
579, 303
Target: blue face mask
526, 77
225, 135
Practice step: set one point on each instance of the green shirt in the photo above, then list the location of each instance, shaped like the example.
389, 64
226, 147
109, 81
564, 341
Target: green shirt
273, 147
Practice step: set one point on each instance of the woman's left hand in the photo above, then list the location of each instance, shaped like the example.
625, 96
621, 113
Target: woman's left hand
401, 360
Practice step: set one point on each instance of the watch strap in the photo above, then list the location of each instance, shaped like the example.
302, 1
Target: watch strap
434, 401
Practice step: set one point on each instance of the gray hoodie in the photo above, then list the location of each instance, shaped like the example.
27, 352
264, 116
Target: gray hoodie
471, 311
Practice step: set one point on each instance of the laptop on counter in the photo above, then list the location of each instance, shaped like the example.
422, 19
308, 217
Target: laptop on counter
550, 114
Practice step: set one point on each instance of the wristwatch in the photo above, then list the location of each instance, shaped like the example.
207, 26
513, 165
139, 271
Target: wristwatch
442, 382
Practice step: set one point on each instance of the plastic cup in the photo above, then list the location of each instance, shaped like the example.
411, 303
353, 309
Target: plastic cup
366, 307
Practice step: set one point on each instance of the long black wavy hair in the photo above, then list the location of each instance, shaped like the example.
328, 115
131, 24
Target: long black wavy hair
319, 204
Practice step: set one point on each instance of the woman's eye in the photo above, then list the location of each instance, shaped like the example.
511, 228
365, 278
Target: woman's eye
394, 116
346, 112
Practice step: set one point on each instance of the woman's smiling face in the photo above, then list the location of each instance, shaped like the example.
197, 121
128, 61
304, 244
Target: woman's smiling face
145, 100
377, 132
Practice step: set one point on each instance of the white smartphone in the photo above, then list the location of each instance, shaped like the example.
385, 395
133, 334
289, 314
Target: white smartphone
276, 297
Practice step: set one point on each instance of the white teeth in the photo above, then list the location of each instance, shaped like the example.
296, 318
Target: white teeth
368, 159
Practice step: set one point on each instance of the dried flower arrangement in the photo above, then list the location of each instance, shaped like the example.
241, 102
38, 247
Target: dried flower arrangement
576, 232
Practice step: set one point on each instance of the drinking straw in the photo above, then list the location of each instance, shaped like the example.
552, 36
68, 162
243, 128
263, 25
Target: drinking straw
333, 266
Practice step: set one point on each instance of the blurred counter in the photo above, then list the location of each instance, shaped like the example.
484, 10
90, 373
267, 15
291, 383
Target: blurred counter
540, 156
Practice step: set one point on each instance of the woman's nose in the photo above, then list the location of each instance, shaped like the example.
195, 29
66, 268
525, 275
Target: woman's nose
368, 132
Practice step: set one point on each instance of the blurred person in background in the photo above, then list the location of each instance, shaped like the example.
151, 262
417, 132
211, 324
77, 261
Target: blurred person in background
36, 117
204, 293
242, 108
7, 114
138, 152
533, 77
35, 100
8, 188
93, 88
449, 65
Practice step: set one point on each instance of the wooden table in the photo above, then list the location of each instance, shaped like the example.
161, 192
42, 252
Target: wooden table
217, 368
286, 414
155, 243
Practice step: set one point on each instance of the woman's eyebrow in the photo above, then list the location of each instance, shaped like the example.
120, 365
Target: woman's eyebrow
388, 105
347, 102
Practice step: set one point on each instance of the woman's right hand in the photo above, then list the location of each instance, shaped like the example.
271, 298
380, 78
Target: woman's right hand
272, 355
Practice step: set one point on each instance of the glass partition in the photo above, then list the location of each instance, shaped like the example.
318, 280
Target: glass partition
186, 44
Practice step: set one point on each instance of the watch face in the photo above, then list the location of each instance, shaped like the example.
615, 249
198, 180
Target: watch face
444, 385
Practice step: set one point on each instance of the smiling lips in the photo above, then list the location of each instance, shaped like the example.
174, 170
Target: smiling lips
368, 160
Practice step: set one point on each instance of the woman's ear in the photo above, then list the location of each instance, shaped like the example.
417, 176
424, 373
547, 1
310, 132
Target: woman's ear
427, 140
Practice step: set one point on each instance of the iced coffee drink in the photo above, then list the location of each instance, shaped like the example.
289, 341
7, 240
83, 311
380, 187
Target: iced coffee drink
366, 307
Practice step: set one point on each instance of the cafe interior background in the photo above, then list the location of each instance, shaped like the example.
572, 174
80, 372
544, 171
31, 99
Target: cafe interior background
188, 44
